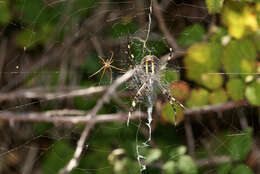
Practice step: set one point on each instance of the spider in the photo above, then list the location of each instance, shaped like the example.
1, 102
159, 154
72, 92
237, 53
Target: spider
107, 64
147, 76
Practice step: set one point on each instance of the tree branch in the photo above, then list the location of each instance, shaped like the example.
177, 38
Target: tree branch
215, 108
50, 96
82, 117
80, 144
70, 119
163, 26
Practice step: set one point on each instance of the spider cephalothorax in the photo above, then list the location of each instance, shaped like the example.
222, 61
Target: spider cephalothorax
150, 65
146, 77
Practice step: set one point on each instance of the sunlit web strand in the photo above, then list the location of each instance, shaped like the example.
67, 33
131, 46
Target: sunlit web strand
230, 73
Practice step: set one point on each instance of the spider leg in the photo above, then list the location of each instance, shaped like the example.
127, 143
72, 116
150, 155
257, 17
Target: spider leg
112, 55
130, 54
103, 72
168, 95
116, 68
97, 71
171, 54
171, 99
136, 100
103, 61
110, 74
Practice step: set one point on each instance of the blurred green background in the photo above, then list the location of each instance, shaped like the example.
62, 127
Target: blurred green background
49, 46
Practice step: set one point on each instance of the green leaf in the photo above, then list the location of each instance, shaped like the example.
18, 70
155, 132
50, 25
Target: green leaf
169, 76
154, 47
176, 153
240, 19
191, 35
168, 113
240, 145
27, 38
37, 13
218, 97
158, 47
218, 34
84, 7
56, 159
253, 93
41, 128
153, 155
138, 50
255, 38
187, 165
212, 81
214, 6
239, 58
45, 33
126, 166
198, 97
236, 89
242, 169
224, 168
5, 14
201, 59
169, 167
123, 29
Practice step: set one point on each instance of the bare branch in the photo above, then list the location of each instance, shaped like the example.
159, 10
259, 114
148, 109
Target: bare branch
189, 137
215, 108
55, 117
163, 26
81, 117
213, 161
106, 97
50, 96
111, 90
80, 145
30, 159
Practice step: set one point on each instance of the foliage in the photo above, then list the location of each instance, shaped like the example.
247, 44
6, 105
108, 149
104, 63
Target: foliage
219, 63
240, 145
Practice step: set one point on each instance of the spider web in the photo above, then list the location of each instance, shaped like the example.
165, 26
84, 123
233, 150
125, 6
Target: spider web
34, 68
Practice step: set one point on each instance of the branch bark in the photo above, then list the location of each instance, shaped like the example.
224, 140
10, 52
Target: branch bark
31, 93
163, 26
56, 117
80, 144
82, 117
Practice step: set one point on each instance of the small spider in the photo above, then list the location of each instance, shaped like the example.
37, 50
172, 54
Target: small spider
107, 65
147, 76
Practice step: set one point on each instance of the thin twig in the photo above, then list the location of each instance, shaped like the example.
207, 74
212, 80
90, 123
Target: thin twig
80, 145
106, 97
215, 108
213, 160
70, 119
30, 159
3, 49
189, 137
111, 90
163, 26
97, 45
79, 116
52, 95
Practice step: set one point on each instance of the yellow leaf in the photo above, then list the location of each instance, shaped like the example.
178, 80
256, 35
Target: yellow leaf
240, 19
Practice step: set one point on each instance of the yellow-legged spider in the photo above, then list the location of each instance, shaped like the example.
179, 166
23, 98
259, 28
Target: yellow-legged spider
107, 64
147, 76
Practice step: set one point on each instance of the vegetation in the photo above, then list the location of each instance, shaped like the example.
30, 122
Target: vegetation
48, 50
